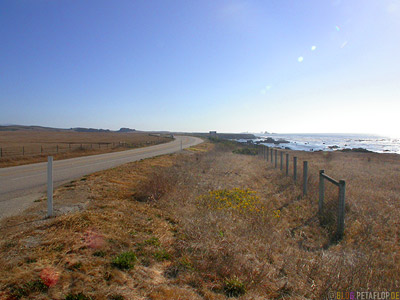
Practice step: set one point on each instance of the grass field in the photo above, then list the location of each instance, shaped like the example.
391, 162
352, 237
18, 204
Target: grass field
27, 146
207, 224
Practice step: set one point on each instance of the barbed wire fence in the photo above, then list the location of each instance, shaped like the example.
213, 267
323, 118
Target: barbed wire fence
54, 148
331, 192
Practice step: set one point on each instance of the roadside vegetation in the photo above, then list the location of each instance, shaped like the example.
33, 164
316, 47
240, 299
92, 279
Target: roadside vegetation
207, 223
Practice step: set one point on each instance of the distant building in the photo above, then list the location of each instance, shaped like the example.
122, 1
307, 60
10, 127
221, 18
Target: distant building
213, 133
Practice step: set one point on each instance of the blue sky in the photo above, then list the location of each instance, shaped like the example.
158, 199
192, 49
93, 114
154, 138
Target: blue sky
230, 66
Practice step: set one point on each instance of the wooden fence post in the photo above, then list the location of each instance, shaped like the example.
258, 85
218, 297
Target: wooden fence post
295, 168
57, 148
272, 156
305, 171
321, 192
281, 160
1, 152
49, 186
23, 151
287, 164
340, 225
267, 156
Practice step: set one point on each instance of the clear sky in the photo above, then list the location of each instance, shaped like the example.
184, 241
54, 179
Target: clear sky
231, 66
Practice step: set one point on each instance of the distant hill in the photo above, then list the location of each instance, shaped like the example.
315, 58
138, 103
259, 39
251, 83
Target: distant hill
76, 129
81, 129
33, 128
123, 129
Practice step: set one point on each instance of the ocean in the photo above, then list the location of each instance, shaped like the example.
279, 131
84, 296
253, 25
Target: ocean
332, 142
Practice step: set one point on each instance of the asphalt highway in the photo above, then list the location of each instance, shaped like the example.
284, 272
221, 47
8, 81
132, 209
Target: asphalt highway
21, 185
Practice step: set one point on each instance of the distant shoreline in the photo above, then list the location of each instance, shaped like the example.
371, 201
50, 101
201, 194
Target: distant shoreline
329, 142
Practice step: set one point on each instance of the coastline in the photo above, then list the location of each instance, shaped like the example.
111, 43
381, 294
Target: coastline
328, 142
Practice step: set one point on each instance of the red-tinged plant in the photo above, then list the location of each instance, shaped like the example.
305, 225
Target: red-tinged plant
49, 277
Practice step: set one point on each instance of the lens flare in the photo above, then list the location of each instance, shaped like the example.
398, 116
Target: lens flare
300, 59
337, 28
313, 48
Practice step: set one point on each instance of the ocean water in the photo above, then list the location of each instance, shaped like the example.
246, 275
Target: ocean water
332, 142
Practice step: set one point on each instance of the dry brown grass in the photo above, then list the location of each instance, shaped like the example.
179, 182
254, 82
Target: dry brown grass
69, 144
188, 251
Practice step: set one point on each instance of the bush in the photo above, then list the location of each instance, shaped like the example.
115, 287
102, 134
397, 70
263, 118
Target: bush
28, 288
99, 253
116, 297
239, 200
153, 189
125, 260
161, 255
79, 296
246, 151
234, 287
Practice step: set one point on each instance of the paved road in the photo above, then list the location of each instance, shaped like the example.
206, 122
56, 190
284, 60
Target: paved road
21, 185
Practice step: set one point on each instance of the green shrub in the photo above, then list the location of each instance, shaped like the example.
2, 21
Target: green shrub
99, 253
79, 296
161, 255
152, 241
240, 200
116, 297
233, 287
125, 260
246, 151
27, 288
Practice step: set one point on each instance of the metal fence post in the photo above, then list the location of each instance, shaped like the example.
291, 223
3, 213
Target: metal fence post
305, 171
49, 186
276, 158
340, 225
281, 160
321, 192
287, 164
295, 168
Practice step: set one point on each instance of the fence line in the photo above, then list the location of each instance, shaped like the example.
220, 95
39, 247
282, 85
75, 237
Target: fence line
54, 148
268, 154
